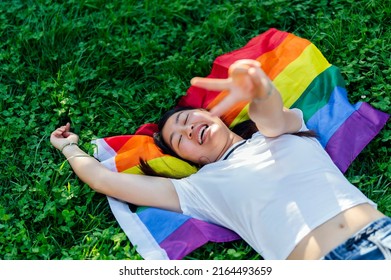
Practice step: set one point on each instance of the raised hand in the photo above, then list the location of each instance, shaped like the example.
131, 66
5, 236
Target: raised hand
246, 82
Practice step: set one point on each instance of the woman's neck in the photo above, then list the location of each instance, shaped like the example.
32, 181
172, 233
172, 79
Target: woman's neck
233, 139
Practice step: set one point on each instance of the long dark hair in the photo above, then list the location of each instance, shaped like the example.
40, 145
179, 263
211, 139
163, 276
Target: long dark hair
244, 129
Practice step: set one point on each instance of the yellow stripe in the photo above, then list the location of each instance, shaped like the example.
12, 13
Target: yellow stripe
242, 116
169, 166
297, 76
133, 170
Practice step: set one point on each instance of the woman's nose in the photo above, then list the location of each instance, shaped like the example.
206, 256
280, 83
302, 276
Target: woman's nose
188, 130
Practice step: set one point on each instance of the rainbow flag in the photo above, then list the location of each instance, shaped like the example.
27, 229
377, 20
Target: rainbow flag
305, 79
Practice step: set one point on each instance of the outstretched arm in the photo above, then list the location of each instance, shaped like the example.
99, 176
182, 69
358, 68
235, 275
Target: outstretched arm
247, 81
132, 188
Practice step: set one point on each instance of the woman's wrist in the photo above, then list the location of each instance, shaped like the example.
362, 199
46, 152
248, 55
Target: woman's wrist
73, 151
266, 95
65, 146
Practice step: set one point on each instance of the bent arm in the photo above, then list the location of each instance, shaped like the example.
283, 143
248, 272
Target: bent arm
248, 82
267, 110
136, 189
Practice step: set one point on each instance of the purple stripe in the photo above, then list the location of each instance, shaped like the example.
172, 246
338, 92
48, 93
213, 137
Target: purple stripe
356, 132
192, 235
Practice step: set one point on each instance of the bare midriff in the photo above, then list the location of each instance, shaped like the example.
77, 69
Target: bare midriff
335, 231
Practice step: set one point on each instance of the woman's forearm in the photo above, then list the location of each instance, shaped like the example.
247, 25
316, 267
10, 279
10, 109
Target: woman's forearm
87, 168
136, 189
132, 188
269, 114
266, 111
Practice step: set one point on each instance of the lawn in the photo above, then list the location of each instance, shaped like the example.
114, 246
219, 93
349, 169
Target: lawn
110, 66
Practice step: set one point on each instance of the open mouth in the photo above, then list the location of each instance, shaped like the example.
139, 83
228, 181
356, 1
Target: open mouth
201, 134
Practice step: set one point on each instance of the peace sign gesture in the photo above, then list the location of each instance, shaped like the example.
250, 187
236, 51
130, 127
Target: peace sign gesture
246, 82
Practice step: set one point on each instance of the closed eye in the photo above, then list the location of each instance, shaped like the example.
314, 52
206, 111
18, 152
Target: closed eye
179, 141
184, 123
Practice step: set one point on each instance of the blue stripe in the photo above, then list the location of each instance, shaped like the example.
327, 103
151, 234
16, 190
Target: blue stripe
330, 117
161, 223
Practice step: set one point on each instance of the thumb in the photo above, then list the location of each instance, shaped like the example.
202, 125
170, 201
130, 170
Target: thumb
67, 132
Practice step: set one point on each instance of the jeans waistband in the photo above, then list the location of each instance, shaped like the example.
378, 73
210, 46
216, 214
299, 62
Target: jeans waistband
372, 242
369, 229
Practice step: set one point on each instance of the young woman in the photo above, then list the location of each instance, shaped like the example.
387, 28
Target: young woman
280, 192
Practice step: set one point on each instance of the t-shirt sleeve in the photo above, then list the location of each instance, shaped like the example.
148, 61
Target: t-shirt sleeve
300, 114
179, 185
189, 201
193, 201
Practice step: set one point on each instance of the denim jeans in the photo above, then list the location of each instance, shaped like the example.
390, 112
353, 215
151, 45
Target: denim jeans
371, 243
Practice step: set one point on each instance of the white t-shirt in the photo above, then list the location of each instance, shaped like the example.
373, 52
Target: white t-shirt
270, 191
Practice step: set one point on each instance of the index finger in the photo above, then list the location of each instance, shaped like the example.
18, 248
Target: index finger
211, 84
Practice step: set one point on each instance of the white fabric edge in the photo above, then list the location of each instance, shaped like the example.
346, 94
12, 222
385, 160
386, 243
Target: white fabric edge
102, 150
105, 154
136, 231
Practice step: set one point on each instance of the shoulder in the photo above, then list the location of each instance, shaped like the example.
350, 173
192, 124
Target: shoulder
300, 115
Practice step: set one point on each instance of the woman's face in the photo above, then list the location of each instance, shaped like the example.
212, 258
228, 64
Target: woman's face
197, 136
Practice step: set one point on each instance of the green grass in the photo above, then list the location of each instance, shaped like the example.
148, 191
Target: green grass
110, 66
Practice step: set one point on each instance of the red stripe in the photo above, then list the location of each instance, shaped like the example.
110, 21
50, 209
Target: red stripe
256, 47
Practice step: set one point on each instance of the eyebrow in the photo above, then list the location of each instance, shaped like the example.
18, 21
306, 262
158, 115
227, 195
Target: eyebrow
176, 122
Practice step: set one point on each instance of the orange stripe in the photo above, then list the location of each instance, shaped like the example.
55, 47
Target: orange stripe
139, 145
275, 61
217, 99
229, 116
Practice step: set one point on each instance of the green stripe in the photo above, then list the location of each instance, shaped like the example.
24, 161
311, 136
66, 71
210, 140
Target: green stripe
317, 94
